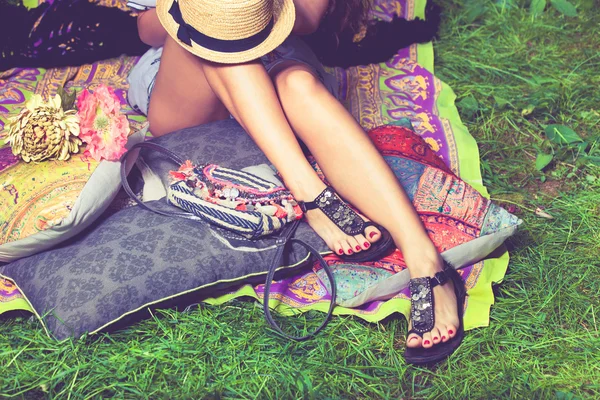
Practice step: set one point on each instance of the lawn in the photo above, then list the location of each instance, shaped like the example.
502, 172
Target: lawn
514, 74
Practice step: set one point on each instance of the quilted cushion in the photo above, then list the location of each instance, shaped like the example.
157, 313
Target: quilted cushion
464, 225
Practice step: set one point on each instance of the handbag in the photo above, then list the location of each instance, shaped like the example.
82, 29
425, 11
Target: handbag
237, 201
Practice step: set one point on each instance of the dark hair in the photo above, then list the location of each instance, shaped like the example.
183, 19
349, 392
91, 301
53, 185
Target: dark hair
346, 16
347, 38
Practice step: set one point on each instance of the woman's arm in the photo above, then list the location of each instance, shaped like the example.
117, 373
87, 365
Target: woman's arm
150, 29
308, 15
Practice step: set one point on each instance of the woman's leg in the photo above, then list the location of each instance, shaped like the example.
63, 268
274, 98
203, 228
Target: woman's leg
181, 97
248, 93
358, 172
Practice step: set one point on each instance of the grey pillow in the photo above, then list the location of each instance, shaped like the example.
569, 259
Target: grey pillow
133, 258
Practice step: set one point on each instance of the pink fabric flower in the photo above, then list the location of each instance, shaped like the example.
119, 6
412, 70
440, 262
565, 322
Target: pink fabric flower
184, 172
103, 127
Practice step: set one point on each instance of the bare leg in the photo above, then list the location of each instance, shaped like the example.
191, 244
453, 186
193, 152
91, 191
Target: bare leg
248, 92
358, 172
181, 97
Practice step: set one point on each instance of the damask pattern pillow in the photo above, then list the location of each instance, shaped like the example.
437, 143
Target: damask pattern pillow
132, 258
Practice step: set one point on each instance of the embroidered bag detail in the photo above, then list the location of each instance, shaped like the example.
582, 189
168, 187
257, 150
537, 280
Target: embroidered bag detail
241, 202
236, 200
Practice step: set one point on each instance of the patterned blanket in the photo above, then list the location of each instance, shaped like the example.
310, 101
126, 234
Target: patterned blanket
404, 88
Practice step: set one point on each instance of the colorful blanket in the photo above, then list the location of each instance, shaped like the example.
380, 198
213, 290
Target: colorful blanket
401, 89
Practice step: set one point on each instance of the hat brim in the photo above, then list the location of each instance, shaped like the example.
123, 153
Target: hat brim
284, 16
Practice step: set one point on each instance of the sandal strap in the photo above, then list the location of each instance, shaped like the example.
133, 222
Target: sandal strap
410, 332
439, 278
421, 302
337, 211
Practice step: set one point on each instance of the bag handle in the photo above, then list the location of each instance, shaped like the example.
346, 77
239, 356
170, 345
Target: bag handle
282, 242
172, 157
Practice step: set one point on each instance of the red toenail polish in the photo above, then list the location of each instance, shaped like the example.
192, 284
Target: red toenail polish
357, 248
426, 342
450, 332
367, 245
341, 251
443, 337
435, 338
350, 251
372, 234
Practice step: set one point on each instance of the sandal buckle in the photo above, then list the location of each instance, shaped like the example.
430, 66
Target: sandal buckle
439, 279
302, 206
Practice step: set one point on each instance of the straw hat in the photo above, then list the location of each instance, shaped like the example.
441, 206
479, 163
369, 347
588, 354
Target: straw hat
227, 31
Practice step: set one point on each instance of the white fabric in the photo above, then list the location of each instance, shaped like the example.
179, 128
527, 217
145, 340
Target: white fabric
141, 80
142, 5
265, 172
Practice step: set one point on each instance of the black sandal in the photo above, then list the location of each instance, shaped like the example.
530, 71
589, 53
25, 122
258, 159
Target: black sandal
351, 224
423, 317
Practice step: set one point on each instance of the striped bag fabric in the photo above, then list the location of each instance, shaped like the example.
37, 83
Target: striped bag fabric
231, 199
236, 200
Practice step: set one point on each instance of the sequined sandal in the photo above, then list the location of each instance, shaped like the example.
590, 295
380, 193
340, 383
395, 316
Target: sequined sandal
351, 224
423, 318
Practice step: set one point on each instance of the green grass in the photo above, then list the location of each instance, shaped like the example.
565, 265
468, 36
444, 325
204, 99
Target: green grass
543, 340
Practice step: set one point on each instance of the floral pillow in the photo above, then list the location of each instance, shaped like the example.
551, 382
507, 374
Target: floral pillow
50, 189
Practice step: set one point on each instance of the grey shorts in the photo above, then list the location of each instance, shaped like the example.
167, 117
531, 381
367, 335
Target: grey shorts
295, 49
142, 77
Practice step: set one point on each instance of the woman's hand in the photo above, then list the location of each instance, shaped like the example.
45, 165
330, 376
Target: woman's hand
308, 15
150, 29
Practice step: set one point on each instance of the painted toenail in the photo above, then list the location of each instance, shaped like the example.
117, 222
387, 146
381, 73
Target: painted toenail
435, 338
426, 342
341, 251
350, 251
367, 245
443, 337
357, 248
372, 234
450, 332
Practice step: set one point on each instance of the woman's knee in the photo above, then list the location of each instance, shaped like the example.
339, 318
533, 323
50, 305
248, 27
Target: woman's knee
296, 80
158, 122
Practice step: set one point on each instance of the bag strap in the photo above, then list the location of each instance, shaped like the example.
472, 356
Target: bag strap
282, 243
172, 157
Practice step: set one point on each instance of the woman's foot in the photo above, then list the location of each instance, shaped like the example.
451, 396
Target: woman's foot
445, 307
338, 241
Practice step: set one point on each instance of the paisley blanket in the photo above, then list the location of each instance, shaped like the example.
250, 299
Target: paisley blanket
402, 90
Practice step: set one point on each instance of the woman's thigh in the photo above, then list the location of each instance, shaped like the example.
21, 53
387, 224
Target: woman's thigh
181, 96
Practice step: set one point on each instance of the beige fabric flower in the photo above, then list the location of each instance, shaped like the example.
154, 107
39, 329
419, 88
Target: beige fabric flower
44, 131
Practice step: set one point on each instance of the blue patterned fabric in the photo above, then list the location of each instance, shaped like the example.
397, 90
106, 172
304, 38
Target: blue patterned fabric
408, 173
